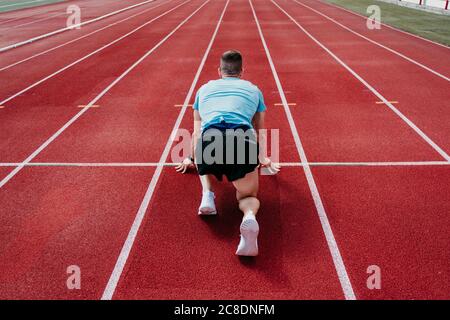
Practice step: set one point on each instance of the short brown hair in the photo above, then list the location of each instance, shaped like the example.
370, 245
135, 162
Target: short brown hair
231, 63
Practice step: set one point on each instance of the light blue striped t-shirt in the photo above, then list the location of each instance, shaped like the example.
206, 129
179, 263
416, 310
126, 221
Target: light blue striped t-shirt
228, 100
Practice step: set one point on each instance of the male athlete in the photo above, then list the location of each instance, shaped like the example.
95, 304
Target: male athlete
228, 115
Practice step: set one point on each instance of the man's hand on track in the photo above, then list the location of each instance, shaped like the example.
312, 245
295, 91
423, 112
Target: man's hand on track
185, 165
273, 167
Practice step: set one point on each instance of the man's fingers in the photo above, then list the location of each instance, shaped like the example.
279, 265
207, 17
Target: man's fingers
273, 170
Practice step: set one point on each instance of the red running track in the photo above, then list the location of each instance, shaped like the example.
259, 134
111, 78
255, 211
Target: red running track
81, 36
396, 219
41, 59
21, 25
388, 73
57, 100
336, 115
280, 273
53, 217
120, 178
431, 54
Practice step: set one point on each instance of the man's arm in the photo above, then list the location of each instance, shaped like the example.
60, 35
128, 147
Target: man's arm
258, 124
183, 166
197, 132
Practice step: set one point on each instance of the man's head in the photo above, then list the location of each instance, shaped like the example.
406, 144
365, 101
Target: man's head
231, 64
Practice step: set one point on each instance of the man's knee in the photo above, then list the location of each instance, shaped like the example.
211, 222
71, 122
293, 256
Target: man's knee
249, 194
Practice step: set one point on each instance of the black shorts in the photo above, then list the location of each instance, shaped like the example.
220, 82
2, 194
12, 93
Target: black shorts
229, 150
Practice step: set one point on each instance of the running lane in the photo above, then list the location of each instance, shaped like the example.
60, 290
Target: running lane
81, 36
395, 218
15, 16
135, 118
433, 55
30, 119
419, 94
41, 66
178, 255
27, 28
337, 117
52, 218
57, 217
390, 217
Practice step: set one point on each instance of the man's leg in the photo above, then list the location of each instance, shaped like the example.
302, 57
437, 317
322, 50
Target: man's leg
246, 194
206, 181
207, 207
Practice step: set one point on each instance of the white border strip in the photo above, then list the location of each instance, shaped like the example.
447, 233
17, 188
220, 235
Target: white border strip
386, 25
367, 164
368, 86
126, 249
19, 4
8, 20
19, 44
98, 97
2, 22
47, 8
172, 164
2, 103
82, 37
331, 241
375, 42
32, 22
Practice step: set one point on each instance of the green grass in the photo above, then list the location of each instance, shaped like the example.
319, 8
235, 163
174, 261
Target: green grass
21, 4
435, 27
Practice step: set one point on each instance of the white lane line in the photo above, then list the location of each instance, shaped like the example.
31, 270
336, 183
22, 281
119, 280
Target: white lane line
82, 37
368, 86
33, 22
90, 54
88, 164
375, 42
14, 19
386, 25
21, 43
82, 111
381, 102
2, 22
331, 241
19, 4
35, 12
283, 164
367, 164
126, 249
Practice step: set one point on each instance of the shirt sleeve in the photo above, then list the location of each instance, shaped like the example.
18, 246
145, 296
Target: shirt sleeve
261, 105
196, 102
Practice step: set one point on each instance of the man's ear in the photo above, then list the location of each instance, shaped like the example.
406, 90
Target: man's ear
242, 72
219, 72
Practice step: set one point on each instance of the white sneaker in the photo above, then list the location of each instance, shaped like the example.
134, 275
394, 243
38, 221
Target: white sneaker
207, 207
248, 246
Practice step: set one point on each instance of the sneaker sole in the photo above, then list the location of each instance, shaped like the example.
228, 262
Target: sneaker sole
249, 231
207, 212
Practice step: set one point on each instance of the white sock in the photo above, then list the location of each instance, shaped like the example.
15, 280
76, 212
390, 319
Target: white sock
250, 216
208, 193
